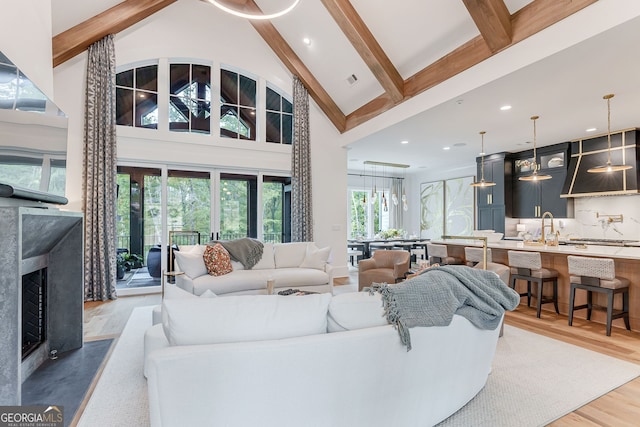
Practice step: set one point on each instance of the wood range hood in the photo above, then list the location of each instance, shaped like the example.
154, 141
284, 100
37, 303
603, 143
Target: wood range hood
591, 152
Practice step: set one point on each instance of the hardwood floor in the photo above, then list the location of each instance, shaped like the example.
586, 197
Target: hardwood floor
620, 407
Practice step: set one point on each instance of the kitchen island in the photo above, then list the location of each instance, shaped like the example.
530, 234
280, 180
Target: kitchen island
627, 262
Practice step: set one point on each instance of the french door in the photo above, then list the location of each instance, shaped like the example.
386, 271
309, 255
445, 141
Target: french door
156, 204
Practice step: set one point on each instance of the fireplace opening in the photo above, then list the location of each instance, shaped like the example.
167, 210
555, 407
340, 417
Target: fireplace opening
33, 310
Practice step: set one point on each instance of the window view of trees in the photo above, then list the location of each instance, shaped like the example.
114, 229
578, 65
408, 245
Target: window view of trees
190, 98
272, 209
367, 217
189, 202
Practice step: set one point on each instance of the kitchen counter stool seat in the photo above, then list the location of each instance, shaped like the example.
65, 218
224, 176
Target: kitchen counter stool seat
598, 275
528, 266
438, 255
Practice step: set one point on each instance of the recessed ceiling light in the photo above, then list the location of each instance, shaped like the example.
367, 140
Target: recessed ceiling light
591, 130
404, 142
446, 148
306, 41
481, 154
505, 108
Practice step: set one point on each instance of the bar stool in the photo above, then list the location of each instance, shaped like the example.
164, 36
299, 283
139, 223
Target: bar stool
473, 255
528, 266
438, 255
598, 275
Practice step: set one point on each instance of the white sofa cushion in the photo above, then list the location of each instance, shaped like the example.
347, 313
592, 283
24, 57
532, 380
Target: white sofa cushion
190, 260
315, 258
355, 310
298, 277
287, 255
243, 318
266, 262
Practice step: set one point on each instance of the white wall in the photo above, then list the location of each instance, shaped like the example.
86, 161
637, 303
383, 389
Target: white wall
412, 217
193, 30
25, 38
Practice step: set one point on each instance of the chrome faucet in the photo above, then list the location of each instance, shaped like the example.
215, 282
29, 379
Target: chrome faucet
543, 238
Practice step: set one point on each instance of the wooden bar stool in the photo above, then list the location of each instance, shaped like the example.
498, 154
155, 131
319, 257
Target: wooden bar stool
438, 255
598, 275
528, 266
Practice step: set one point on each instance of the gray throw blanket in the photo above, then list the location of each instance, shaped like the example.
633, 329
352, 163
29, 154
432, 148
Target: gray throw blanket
432, 298
247, 251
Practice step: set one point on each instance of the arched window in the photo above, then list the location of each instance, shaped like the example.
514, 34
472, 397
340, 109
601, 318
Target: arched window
190, 98
137, 97
238, 106
279, 118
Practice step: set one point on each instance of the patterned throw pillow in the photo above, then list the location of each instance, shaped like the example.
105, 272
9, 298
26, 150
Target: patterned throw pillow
217, 260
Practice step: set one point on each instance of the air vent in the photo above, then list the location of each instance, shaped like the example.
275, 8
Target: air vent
352, 79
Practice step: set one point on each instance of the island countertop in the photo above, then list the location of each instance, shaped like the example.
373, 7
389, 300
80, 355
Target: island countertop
622, 252
627, 265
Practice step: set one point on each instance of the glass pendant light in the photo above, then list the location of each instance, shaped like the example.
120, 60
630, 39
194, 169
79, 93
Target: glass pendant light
482, 182
534, 176
608, 167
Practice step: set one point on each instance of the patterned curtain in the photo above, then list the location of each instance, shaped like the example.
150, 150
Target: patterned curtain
100, 173
301, 212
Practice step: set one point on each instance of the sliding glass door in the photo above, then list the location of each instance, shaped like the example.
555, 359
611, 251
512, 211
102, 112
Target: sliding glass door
159, 204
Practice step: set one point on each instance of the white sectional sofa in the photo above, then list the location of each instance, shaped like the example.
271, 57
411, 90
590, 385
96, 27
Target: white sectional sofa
299, 265
315, 360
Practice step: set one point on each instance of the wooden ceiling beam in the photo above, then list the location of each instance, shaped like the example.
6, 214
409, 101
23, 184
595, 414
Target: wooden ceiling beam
493, 20
295, 66
529, 20
77, 39
367, 46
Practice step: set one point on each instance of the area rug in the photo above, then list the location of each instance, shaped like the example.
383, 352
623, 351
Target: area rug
534, 381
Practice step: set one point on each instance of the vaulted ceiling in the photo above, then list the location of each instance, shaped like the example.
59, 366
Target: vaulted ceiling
498, 29
369, 59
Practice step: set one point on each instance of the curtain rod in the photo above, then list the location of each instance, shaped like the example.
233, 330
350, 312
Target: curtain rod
375, 176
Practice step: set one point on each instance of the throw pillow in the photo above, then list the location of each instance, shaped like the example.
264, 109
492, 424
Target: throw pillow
191, 262
217, 260
315, 258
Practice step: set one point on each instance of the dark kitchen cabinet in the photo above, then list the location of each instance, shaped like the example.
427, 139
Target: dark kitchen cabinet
494, 202
531, 199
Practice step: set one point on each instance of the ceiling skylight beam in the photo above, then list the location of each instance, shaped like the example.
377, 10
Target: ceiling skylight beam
493, 20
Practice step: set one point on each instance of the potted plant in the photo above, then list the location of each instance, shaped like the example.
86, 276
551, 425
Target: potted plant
120, 266
134, 260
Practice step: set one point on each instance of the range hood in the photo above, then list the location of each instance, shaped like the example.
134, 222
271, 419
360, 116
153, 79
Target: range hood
588, 153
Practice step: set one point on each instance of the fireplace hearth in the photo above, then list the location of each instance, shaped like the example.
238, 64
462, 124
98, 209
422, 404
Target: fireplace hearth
41, 290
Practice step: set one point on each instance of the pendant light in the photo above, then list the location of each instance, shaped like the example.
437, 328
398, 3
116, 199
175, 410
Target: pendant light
374, 190
534, 176
482, 182
384, 199
609, 167
364, 185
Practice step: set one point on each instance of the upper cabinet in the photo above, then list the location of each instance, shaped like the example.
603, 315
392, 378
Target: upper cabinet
533, 198
493, 202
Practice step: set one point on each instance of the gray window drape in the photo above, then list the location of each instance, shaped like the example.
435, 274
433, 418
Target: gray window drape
301, 207
100, 172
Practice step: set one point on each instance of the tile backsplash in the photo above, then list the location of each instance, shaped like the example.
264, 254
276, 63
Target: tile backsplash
586, 222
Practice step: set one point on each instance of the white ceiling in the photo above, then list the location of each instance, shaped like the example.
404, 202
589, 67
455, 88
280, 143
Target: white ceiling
565, 89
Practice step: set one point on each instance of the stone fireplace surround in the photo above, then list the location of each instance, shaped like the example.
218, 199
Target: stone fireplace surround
34, 236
